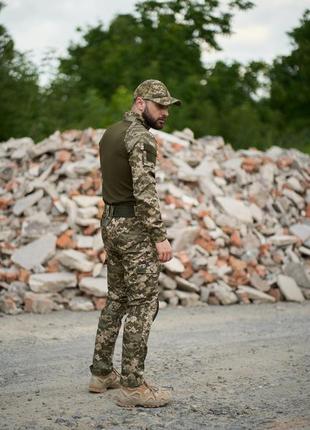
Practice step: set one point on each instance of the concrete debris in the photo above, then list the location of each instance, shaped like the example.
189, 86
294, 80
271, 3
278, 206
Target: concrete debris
298, 272
51, 282
305, 251
236, 208
39, 303
238, 221
94, 286
36, 252
259, 283
81, 303
187, 299
223, 292
290, 289
75, 260
185, 285
254, 294
22, 204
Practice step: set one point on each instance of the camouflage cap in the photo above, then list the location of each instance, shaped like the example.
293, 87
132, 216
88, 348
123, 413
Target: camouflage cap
155, 91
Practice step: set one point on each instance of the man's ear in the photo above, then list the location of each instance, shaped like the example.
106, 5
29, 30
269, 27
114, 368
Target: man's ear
140, 103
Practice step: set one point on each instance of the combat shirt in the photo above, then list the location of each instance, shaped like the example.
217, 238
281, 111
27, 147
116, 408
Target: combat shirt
128, 158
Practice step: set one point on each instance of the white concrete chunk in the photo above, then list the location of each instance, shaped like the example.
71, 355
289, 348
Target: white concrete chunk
174, 265
81, 304
52, 282
236, 208
94, 286
26, 202
290, 289
75, 260
255, 294
36, 252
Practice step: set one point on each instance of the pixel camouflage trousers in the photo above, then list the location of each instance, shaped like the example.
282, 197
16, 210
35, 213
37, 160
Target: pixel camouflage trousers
133, 270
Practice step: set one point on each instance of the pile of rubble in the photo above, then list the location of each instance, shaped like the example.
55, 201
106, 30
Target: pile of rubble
239, 223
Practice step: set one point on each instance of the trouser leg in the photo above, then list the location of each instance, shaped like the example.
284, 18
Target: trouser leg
108, 328
141, 278
136, 333
110, 319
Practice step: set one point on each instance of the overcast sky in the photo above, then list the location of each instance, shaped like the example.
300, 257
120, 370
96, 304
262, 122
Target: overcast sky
38, 25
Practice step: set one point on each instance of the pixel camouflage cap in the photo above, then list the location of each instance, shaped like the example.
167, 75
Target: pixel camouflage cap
155, 91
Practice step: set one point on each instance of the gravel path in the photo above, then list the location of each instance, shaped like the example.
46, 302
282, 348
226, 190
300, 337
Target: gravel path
233, 367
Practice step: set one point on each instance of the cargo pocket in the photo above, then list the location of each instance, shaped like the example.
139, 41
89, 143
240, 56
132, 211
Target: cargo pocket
104, 221
148, 268
149, 155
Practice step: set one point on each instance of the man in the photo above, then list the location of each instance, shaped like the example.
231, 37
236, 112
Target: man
136, 242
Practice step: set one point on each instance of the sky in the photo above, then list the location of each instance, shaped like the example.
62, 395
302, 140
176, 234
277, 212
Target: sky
40, 25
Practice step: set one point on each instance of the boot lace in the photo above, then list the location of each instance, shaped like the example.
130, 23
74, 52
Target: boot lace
116, 372
154, 390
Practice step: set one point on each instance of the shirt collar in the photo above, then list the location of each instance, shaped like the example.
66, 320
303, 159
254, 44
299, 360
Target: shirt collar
133, 116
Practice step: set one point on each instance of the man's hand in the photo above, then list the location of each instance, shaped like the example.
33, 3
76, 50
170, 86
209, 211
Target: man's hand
164, 251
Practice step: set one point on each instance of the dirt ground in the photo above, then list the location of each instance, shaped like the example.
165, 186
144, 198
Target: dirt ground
231, 367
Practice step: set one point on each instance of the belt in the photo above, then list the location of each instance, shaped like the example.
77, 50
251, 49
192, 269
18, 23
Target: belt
120, 210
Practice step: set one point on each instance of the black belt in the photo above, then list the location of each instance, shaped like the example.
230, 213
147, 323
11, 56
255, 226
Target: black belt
120, 210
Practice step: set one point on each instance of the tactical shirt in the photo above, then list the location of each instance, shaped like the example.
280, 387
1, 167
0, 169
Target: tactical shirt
128, 157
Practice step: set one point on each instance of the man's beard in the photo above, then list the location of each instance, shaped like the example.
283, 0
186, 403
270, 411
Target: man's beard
151, 121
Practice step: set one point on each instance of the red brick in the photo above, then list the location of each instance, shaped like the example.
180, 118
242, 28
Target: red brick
63, 156
235, 239
64, 241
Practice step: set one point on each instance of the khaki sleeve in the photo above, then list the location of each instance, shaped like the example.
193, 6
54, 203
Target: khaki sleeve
142, 160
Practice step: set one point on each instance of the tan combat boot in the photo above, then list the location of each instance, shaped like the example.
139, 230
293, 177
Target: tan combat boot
147, 396
99, 384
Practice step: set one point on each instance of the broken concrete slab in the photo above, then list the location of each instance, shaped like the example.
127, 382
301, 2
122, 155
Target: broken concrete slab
224, 293
290, 289
185, 285
301, 230
75, 260
36, 252
81, 303
26, 202
259, 283
255, 294
52, 282
298, 272
94, 286
235, 208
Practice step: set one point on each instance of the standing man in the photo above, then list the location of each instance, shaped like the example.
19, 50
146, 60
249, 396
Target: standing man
136, 242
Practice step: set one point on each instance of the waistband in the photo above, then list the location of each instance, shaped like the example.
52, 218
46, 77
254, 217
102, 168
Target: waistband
125, 210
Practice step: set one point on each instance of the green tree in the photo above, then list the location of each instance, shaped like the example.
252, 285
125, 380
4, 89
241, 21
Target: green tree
19, 90
162, 40
290, 89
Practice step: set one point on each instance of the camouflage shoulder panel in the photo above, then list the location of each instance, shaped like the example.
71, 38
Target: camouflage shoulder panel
136, 132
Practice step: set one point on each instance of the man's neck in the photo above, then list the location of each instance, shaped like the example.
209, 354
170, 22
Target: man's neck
137, 114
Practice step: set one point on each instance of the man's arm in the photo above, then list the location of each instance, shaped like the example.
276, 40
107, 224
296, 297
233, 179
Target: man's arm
142, 160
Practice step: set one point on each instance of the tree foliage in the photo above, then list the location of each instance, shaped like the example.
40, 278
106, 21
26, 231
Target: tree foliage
250, 105
290, 88
19, 90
